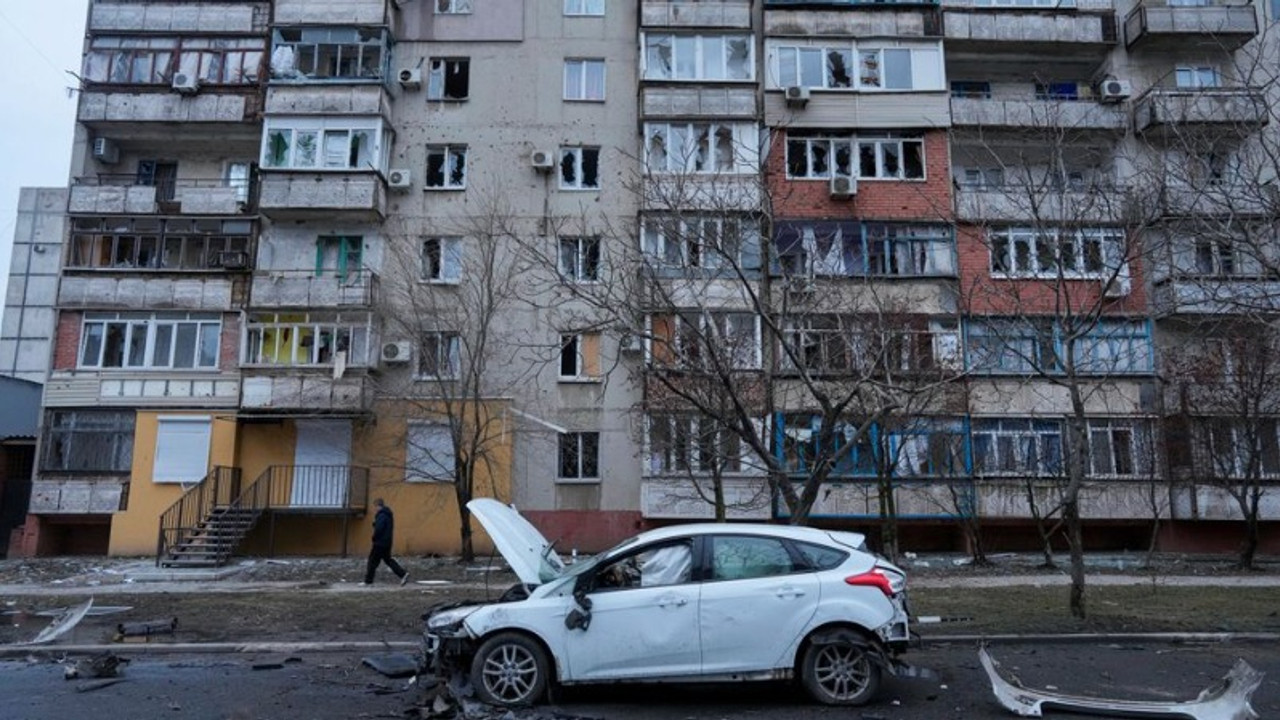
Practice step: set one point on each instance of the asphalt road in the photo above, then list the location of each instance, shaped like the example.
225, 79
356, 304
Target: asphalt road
326, 685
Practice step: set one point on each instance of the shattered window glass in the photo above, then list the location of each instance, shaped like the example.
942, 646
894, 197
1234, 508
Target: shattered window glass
446, 167
839, 68
658, 57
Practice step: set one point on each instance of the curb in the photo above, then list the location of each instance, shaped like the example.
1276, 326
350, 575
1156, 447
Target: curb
226, 648
1204, 638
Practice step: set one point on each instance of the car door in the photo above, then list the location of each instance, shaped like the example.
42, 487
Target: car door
757, 598
644, 617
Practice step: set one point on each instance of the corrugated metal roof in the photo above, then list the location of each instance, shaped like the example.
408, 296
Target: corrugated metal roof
19, 408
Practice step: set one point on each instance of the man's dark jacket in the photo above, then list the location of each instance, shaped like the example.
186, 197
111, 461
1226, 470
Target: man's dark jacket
383, 527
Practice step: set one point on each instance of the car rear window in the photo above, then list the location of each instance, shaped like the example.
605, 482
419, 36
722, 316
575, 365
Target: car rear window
820, 557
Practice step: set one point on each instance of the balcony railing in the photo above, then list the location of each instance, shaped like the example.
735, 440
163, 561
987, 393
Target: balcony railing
678, 13
1084, 114
311, 289
304, 194
309, 487
1044, 202
1166, 109
1051, 22
1161, 24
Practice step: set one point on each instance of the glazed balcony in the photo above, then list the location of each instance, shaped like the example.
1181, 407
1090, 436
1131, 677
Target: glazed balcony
1030, 114
1169, 111
1164, 25
307, 289
683, 13
339, 196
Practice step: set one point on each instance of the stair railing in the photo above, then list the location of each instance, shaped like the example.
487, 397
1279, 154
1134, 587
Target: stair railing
219, 488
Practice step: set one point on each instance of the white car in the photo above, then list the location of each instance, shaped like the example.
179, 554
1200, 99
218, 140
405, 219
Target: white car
692, 603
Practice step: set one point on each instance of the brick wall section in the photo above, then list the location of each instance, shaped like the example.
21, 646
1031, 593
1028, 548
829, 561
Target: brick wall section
915, 200
983, 294
66, 341
229, 343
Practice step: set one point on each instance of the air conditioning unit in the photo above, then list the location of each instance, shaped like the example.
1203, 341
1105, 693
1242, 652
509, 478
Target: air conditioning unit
186, 83
797, 95
399, 178
542, 161
396, 351
229, 259
843, 186
1111, 91
410, 78
631, 344
105, 151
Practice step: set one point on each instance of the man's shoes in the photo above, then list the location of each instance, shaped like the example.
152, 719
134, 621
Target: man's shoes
404, 579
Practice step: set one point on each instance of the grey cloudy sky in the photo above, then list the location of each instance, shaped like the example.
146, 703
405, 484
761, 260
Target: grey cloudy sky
42, 40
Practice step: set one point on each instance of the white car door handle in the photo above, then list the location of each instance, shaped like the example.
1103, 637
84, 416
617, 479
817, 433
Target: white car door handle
670, 600
786, 592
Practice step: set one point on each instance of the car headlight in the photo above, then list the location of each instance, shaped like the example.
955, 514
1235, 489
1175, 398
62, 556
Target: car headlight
446, 620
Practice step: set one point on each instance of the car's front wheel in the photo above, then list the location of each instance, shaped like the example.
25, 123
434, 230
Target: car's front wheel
840, 671
509, 669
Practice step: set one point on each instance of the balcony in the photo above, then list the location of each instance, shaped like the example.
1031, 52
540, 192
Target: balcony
857, 18
350, 196
347, 12
1168, 111
1064, 30
305, 391
306, 289
704, 14
119, 388
676, 498
841, 109
223, 18
77, 496
164, 115
1045, 203
1216, 295
1218, 24
698, 102
122, 194
370, 98
1081, 115
100, 290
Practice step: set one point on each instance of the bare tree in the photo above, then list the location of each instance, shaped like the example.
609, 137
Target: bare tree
457, 296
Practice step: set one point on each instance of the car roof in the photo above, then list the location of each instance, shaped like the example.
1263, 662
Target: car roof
794, 532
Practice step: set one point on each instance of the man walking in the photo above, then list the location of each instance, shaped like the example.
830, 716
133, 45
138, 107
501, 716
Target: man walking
384, 528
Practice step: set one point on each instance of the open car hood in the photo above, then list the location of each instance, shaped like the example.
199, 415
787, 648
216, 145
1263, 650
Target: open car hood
522, 546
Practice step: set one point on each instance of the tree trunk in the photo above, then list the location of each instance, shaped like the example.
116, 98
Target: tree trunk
1249, 548
718, 490
1075, 541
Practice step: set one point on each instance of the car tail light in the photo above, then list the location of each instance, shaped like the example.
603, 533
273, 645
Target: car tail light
872, 578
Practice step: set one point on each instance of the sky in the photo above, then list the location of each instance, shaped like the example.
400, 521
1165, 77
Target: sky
42, 41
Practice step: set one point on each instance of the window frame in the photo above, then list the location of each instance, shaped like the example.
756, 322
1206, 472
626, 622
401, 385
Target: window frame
449, 249
437, 85
659, 136
1092, 250
150, 325
290, 129
410, 476
452, 7
447, 345
669, 241
446, 152
787, 66
701, 45
62, 428
1015, 434
678, 444
584, 69
586, 463
160, 58
331, 37
830, 146
145, 244
586, 252
581, 157
300, 338
584, 8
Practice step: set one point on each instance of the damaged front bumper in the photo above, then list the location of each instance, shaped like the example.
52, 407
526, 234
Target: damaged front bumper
1227, 699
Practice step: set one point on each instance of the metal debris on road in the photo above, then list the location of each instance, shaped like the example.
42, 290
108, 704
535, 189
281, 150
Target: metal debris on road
1227, 699
62, 624
102, 665
146, 628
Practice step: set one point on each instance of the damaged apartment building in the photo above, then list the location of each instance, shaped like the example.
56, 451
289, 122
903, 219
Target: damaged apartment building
610, 261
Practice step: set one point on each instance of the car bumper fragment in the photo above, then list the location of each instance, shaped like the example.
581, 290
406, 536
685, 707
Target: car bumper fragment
1227, 699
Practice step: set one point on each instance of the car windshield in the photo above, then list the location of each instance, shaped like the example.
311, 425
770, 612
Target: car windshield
582, 566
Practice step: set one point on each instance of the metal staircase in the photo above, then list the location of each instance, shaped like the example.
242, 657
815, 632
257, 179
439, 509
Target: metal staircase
207, 523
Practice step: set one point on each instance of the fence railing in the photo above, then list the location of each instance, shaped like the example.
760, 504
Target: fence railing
308, 487
182, 520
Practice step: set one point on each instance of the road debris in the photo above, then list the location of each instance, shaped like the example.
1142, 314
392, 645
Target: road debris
145, 629
62, 624
393, 665
1227, 699
102, 665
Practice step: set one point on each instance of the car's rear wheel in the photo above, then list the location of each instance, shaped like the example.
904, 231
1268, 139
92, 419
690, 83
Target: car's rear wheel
840, 671
509, 669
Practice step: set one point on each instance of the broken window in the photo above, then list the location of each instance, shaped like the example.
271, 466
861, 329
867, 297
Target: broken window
292, 339
150, 341
579, 356
1017, 447
328, 53
579, 456
438, 356
156, 244
698, 57
1118, 448
448, 79
819, 156
697, 148
580, 168
447, 167
340, 256
890, 157
135, 60
88, 441
321, 143
580, 259
441, 259
584, 79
